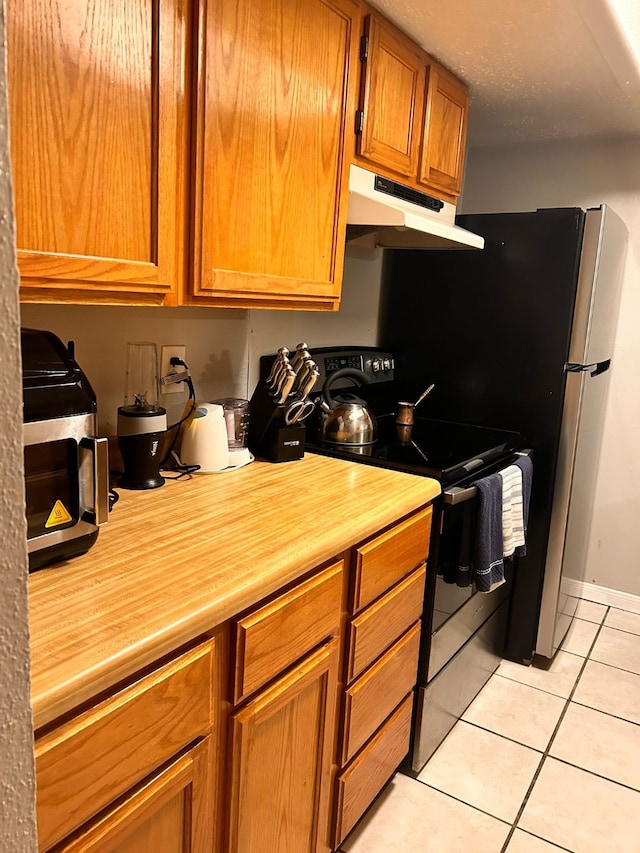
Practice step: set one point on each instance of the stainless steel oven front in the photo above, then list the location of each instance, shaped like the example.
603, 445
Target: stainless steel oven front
463, 629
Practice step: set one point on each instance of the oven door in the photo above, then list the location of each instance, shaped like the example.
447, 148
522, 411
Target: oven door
457, 610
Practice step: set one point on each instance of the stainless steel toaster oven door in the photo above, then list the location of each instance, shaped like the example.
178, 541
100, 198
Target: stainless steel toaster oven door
66, 480
52, 487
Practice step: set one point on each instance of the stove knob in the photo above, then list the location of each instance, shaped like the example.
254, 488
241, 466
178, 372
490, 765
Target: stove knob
376, 366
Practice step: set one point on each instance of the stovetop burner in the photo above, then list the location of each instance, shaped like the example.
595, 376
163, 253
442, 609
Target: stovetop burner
444, 450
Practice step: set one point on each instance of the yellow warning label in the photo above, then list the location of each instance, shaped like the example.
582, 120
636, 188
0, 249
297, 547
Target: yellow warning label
58, 515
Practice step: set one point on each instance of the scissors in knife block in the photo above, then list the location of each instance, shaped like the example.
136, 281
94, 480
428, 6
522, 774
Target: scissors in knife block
298, 411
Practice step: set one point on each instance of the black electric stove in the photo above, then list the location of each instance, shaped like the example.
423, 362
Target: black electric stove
443, 450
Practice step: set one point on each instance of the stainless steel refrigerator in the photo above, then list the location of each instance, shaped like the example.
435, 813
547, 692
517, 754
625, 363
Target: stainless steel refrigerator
519, 336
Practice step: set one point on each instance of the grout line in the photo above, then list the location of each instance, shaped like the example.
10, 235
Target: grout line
546, 841
462, 802
613, 665
593, 773
607, 713
622, 630
505, 737
533, 686
545, 754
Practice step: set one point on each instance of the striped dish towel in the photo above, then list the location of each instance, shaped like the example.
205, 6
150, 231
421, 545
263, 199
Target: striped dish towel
512, 513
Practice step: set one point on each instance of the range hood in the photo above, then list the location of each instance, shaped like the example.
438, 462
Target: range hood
384, 213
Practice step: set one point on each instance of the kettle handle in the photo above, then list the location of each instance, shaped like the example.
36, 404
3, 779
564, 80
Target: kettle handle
344, 373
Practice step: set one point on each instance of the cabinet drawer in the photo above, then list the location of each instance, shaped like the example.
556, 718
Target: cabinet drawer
270, 639
373, 696
375, 629
383, 561
83, 765
359, 784
169, 811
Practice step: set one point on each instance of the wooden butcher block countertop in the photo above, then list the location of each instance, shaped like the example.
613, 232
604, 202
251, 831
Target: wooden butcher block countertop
175, 562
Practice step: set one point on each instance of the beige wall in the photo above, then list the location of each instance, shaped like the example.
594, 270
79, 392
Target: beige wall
355, 324
17, 790
587, 174
223, 345
216, 342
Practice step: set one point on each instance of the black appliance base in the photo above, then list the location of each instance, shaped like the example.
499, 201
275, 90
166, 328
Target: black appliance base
61, 551
442, 702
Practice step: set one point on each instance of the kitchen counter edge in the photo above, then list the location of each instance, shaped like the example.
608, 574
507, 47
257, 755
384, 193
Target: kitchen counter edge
173, 563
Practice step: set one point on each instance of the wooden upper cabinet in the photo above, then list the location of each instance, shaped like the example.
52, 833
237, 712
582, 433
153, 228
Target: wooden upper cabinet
391, 98
270, 188
412, 120
445, 132
97, 97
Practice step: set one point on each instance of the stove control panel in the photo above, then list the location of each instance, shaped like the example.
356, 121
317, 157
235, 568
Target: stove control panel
377, 364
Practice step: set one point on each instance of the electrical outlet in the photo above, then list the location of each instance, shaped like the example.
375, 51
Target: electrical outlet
168, 352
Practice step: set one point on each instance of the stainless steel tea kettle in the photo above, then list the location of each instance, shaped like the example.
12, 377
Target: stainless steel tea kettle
345, 418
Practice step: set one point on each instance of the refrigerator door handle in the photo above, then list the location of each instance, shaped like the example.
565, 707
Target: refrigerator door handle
594, 369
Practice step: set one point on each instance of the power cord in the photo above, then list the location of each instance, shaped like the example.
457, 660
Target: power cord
184, 470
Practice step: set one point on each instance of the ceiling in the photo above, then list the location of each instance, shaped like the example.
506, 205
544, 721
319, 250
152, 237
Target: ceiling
537, 69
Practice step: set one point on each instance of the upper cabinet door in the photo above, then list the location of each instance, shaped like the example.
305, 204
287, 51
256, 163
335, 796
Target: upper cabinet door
392, 93
98, 147
271, 185
446, 111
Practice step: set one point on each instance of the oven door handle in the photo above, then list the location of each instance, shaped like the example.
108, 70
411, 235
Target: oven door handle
459, 494
99, 448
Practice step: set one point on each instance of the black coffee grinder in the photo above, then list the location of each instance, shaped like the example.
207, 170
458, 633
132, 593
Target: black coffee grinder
142, 422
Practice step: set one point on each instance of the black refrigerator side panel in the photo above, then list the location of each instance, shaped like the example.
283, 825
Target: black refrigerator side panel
491, 329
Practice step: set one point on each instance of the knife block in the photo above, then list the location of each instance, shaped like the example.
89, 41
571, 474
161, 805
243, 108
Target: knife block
283, 443
269, 437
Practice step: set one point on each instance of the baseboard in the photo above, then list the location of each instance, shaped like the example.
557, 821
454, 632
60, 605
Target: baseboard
602, 595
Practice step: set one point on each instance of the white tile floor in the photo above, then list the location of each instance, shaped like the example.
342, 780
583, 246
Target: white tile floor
543, 760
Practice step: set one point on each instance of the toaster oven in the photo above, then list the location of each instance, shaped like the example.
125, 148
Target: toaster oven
66, 465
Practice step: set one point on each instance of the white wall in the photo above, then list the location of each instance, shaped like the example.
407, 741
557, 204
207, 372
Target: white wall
216, 342
587, 174
223, 345
355, 324
17, 786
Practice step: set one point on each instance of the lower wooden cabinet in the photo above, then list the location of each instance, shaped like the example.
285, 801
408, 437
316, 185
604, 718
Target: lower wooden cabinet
282, 744
169, 813
360, 783
372, 697
380, 664
84, 765
272, 736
